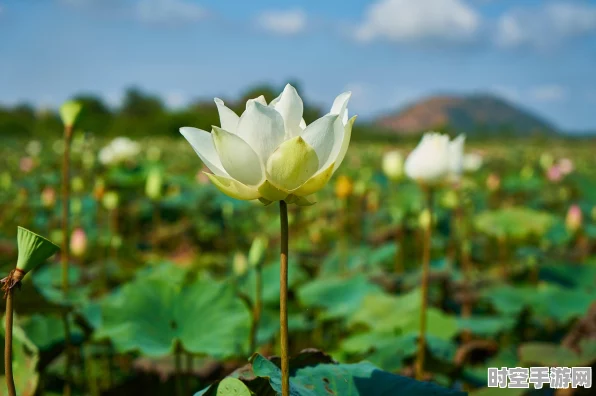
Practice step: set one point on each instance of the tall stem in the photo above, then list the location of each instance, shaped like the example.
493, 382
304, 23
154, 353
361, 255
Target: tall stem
65, 254
466, 266
283, 300
425, 275
8, 345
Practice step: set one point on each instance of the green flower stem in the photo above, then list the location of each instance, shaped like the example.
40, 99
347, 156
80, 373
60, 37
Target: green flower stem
283, 300
65, 206
65, 247
419, 366
466, 265
8, 344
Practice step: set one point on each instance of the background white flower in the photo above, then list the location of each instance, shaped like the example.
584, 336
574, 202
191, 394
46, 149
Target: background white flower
269, 153
428, 163
119, 150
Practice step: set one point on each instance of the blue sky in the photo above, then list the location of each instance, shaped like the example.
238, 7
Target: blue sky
541, 54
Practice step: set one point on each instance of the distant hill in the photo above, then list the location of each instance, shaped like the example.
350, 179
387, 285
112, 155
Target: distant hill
470, 114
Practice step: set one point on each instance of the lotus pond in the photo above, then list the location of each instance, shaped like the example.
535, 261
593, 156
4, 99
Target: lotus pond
174, 286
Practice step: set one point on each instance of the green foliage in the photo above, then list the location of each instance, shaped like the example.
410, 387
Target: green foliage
187, 314
311, 377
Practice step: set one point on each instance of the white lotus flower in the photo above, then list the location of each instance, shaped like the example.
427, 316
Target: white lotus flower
393, 165
472, 162
456, 157
119, 150
428, 163
268, 153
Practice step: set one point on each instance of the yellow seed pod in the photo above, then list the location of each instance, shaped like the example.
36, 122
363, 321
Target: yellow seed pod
343, 187
110, 200
78, 184
240, 264
424, 219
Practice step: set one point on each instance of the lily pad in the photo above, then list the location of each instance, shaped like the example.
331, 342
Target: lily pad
332, 379
401, 314
338, 296
152, 315
553, 355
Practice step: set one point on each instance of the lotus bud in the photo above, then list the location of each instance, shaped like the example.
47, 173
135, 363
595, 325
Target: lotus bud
76, 205
33, 250
201, 177
257, 250
99, 189
240, 264
78, 242
493, 182
88, 159
343, 187
527, 172
69, 112
5, 180
554, 174
372, 201
26, 164
574, 218
472, 162
424, 219
566, 166
110, 200
116, 241
56, 236
154, 184
33, 148
48, 197
360, 187
546, 160
449, 199
393, 165
78, 184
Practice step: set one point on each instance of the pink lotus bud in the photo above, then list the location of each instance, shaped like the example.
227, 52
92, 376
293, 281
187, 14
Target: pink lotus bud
566, 166
554, 174
48, 197
26, 164
493, 182
78, 242
202, 177
574, 218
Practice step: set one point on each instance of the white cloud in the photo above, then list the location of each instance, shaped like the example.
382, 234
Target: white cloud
548, 93
169, 11
288, 22
419, 20
547, 25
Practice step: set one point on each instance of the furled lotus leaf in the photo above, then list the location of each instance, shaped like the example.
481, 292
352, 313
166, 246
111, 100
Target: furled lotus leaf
33, 249
69, 112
